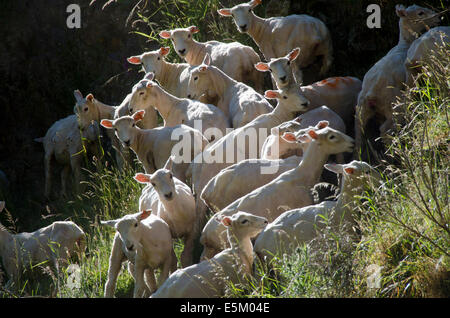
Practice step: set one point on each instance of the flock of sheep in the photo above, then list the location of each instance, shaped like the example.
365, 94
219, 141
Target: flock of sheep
221, 85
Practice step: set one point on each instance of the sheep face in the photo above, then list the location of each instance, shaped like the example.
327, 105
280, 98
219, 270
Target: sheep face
359, 173
415, 19
151, 61
199, 83
125, 127
241, 14
162, 182
84, 109
280, 68
181, 39
290, 100
245, 224
141, 94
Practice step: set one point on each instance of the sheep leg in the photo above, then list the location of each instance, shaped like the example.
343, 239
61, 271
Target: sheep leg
115, 261
187, 254
361, 119
139, 285
75, 163
166, 268
65, 176
151, 281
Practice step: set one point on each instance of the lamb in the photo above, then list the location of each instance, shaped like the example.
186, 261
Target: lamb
144, 240
239, 102
64, 145
384, 81
176, 111
234, 59
276, 197
154, 146
173, 201
174, 77
277, 36
234, 265
233, 147
241, 178
298, 226
311, 118
422, 48
54, 244
340, 94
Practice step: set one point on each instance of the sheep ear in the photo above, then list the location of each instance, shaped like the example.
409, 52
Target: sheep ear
142, 178
293, 54
78, 96
139, 115
334, 167
90, 97
207, 60
299, 119
107, 123
224, 12
149, 76
349, 170
255, 3
144, 214
164, 50
111, 223
289, 137
270, 94
136, 60
2, 205
313, 134
226, 221
322, 124
169, 163
262, 67
193, 29
304, 139
400, 10
165, 34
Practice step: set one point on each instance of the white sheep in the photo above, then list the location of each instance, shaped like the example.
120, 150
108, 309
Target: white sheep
144, 240
298, 226
239, 102
173, 201
384, 80
153, 147
311, 118
65, 145
211, 278
340, 94
52, 245
241, 178
244, 142
422, 48
234, 59
277, 36
277, 196
176, 111
174, 77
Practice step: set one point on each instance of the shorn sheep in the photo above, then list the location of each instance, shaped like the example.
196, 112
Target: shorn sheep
147, 95
298, 226
277, 36
144, 240
211, 278
52, 245
385, 80
234, 59
173, 201
276, 197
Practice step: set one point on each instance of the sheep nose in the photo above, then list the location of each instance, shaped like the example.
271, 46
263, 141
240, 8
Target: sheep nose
182, 51
127, 143
305, 104
168, 195
283, 79
131, 247
131, 110
189, 96
243, 27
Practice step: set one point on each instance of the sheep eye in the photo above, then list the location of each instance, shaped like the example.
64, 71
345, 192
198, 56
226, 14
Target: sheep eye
285, 97
195, 78
421, 13
245, 221
189, 36
154, 185
270, 70
171, 176
331, 137
135, 224
141, 93
134, 125
289, 63
86, 109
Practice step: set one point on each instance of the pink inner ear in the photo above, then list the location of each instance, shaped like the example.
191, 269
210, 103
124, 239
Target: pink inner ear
226, 221
145, 214
142, 178
349, 170
164, 51
263, 67
271, 94
313, 134
289, 137
134, 60
165, 34
224, 12
139, 115
203, 68
293, 55
90, 97
106, 123
194, 29
322, 125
